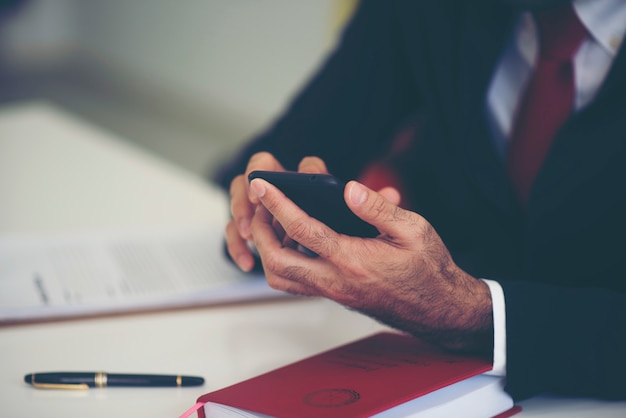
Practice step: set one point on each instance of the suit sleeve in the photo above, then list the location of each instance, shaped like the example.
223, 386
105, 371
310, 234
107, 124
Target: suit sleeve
569, 341
349, 110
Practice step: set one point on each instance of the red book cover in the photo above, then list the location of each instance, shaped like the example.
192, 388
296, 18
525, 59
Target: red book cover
357, 379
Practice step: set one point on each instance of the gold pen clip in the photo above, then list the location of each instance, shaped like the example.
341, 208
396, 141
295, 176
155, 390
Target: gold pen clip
66, 386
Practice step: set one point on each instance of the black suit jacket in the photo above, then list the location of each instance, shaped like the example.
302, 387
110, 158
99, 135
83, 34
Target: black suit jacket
561, 262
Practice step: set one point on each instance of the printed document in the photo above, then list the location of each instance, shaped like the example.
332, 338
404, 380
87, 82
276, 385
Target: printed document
95, 273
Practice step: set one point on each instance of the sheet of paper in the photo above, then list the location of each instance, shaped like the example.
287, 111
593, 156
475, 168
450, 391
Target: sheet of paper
47, 277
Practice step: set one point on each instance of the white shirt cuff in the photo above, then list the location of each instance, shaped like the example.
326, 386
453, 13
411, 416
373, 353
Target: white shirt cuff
499, 328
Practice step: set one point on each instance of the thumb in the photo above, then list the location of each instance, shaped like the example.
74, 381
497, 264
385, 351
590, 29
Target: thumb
312, 165
375, 209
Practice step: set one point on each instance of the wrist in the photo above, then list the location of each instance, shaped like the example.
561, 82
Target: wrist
472, 330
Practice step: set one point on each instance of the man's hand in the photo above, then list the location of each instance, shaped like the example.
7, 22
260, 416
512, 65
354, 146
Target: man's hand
405, 277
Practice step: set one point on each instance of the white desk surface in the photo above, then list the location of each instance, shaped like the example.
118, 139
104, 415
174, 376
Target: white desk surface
59, 174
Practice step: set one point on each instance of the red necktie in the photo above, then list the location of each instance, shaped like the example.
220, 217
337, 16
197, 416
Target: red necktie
549, 97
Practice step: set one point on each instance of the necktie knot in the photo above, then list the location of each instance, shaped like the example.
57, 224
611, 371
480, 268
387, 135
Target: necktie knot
560, 32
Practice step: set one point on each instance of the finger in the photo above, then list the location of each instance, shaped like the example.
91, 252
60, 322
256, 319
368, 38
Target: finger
312, 165
261, 161
391, 194
281, 234
375, 209
241, 208
289, 269
298, 225
238, 248
285, 268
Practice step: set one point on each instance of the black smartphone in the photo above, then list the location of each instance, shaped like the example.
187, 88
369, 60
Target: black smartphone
320, 196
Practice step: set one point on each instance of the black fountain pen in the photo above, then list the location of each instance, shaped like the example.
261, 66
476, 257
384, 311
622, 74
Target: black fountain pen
86, 380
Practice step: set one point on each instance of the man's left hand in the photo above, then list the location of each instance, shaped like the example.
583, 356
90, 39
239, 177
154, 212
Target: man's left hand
405, 277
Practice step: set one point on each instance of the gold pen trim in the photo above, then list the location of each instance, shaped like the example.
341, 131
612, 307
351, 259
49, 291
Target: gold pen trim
65, 386
100, 380
179, 380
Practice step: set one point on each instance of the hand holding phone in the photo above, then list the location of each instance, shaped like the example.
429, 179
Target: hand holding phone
320, 196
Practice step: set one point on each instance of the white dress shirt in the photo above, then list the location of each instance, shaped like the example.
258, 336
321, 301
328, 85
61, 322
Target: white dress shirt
605, 21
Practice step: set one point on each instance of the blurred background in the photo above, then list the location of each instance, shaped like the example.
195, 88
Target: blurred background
189, 80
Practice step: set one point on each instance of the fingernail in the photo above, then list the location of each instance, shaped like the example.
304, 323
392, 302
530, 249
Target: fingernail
358, 193
257, 188
245, 263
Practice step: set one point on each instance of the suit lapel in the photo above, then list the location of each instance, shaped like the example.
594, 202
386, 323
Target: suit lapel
615, 83
484, 39
586, 143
